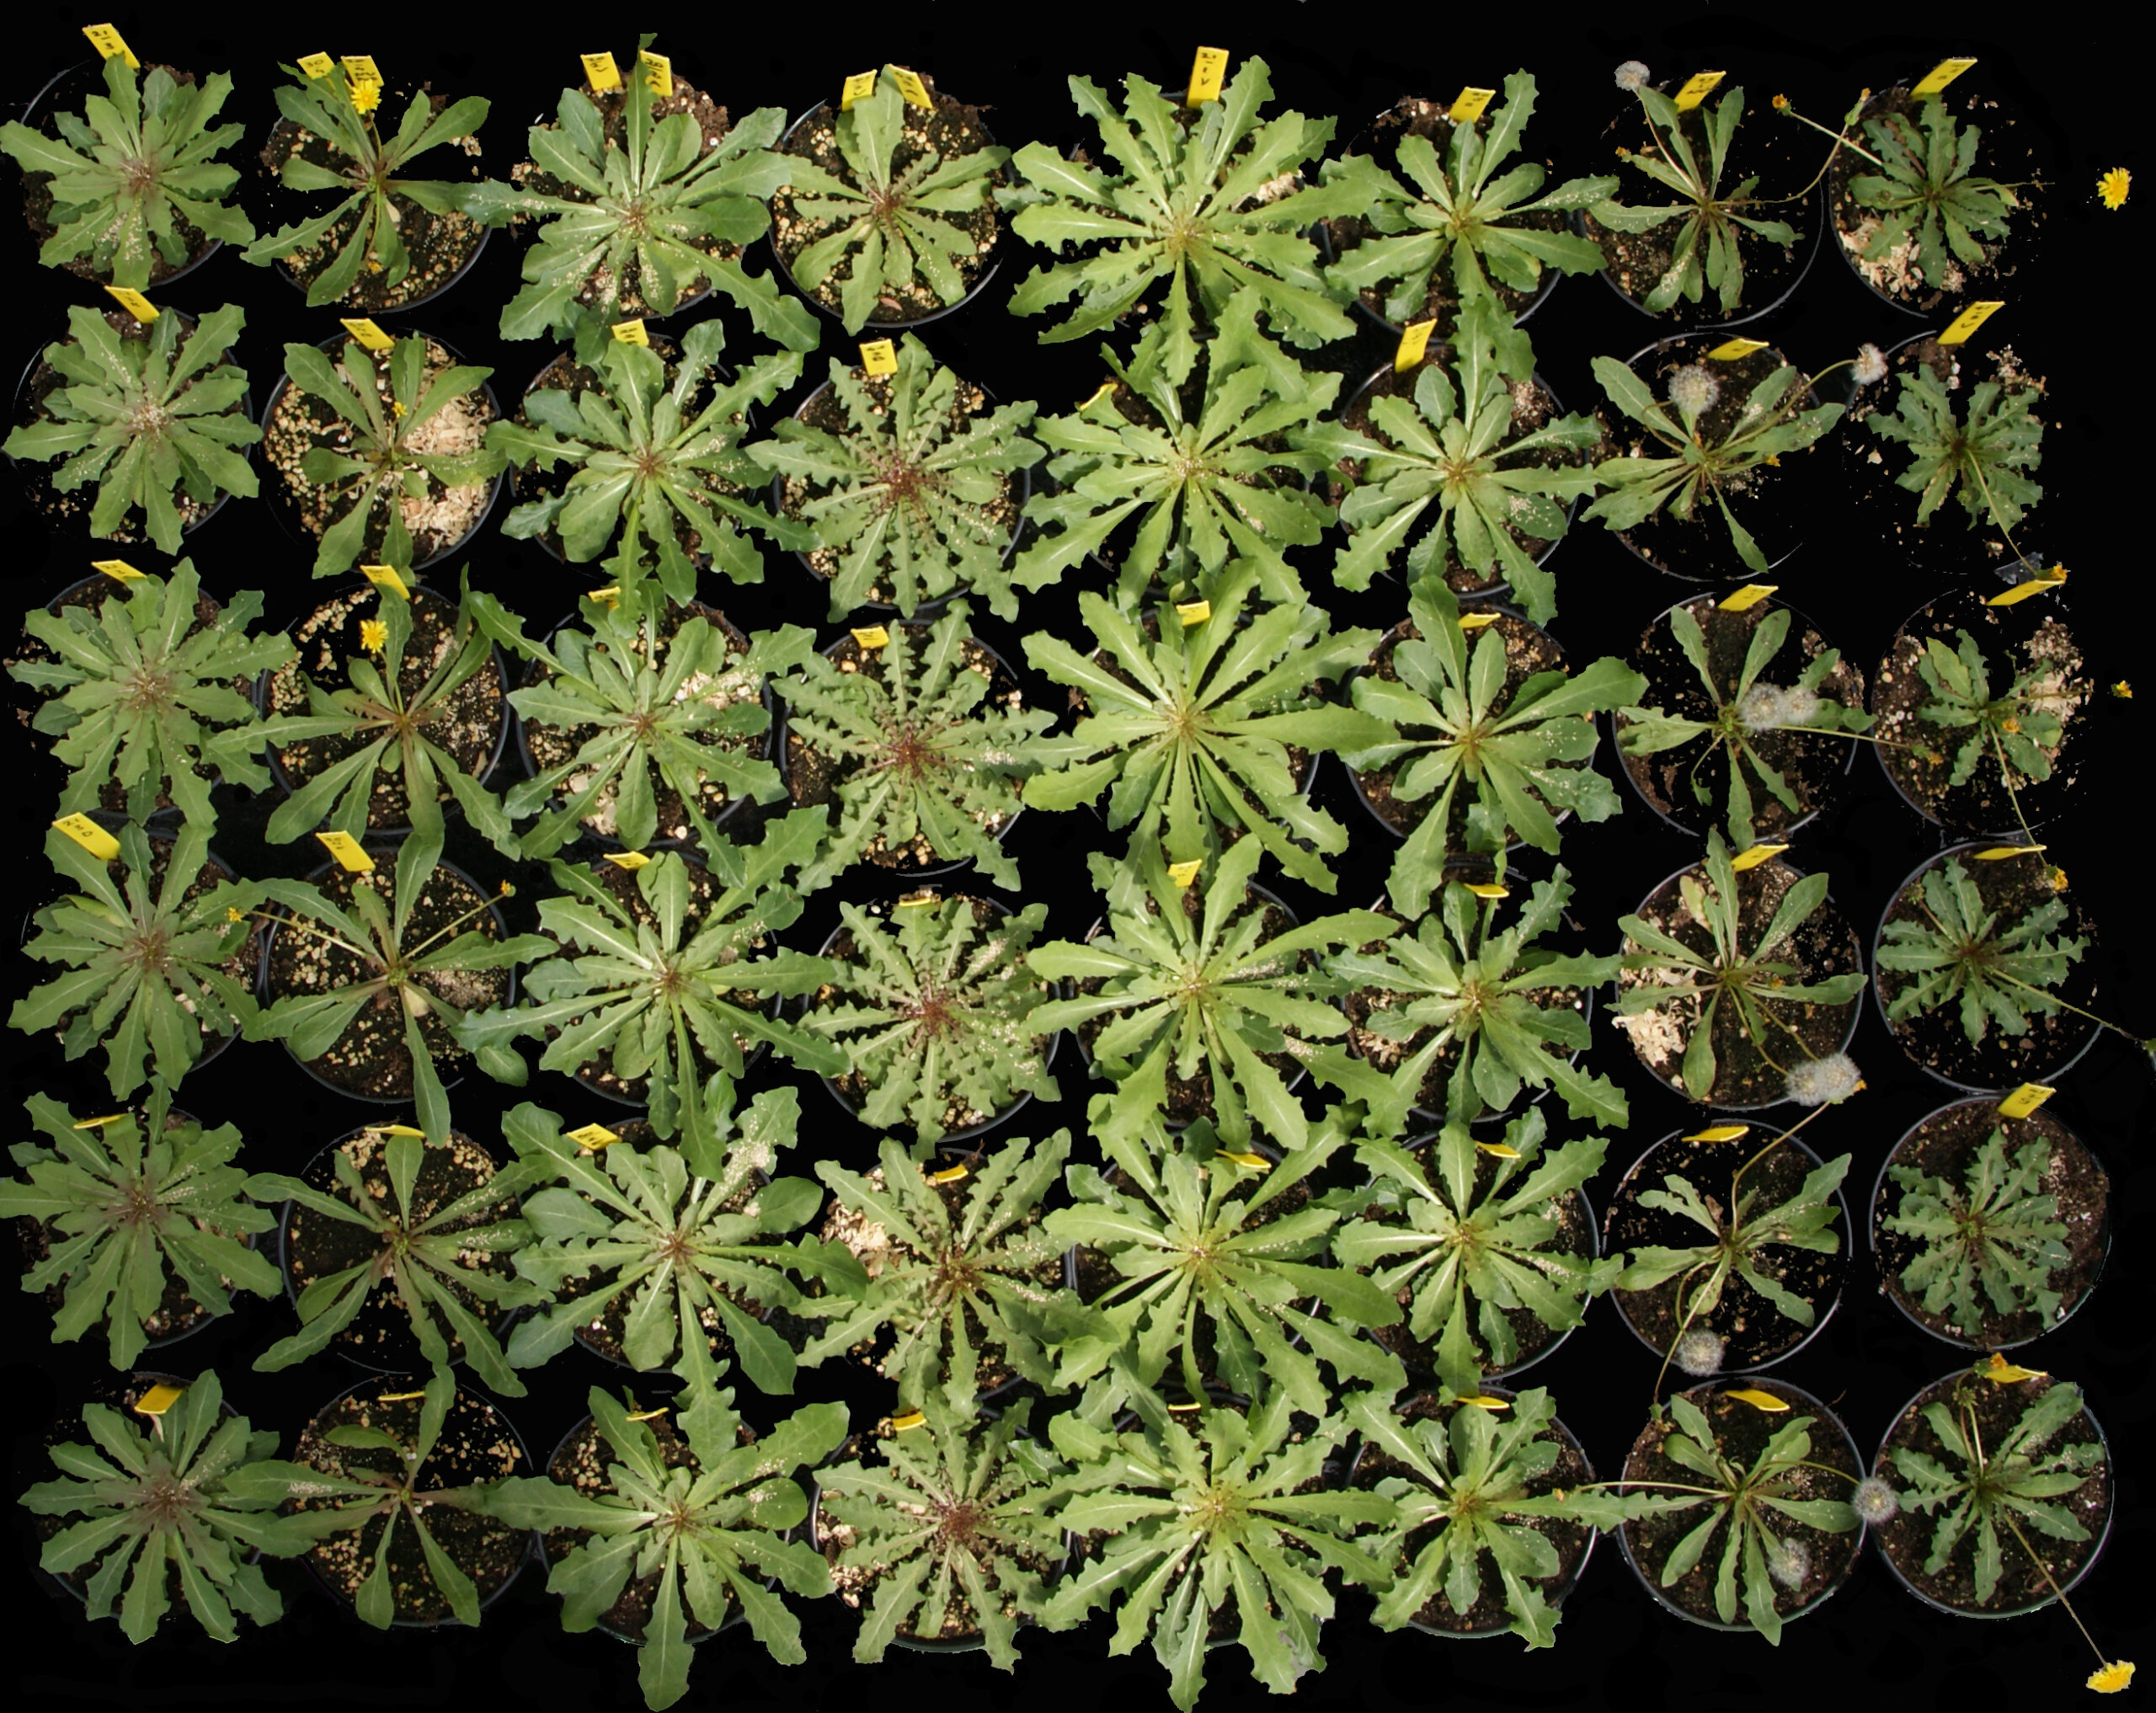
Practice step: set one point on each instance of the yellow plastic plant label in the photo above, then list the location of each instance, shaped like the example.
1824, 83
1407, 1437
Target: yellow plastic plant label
1489, 888
2001, 1371
1753, 855
1194, 612
600, 71
1098, 393
2050, 578
1473, 621
398, 1130
950, 1174
1498, 1150
915, 900
1184, 1409
400, 1397
1467, 106
1939, 75
609, 597
92, 837
630, 332
1483, 1401
878, 357
2001, 853
657, 72
1184, 874
317, 65
366, 332
386, 577
911, 86
1697, 87
1765, 1402
871, 637
98, 1124
2024, 1100
133, 302
627, 861
109, 41
350, 855
650, 1415
1207, 67
1718, 1132
1414, 340
909, 1421
160, 1398
858, 88
1729, 350
1970, 319
593, 1137
1743, 599
1249, 1162
117, 569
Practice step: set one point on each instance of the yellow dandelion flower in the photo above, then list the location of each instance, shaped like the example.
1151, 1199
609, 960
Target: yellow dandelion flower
374, 635
2001, 1371
2058, 880
234, 913
2114, 1676
1781, 103
506, 890
2111, 191
2123, 690
397, 409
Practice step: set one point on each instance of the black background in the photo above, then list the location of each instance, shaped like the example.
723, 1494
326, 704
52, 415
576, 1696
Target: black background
2072, 316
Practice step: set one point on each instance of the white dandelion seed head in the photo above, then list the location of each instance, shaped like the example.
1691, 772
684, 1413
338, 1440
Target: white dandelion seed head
1787, 1562
1874, 1501
1763, 708
1631, 75
1694, 391
1698, 1353
1870, 368
1823, 1082
1800, 705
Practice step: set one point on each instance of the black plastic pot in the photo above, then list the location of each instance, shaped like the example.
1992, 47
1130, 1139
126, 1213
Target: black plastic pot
1637, 1176
2076, 1035
2021, 1328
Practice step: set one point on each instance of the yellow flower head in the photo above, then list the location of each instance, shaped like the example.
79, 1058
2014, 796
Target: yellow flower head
2114, 1676
2123, 690
506, 890
1781, 103
2112, 189
234, 913
374, 635
2058, 880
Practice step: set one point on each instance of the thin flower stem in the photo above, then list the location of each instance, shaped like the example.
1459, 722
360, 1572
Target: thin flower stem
2044, 1571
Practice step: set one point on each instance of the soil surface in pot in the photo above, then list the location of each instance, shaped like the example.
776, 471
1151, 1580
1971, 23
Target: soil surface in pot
1753, 1329
942, 133
1944, 1145
440, 518
2024, 638
1742, 1432
476, 1445
1824, 946
556, 746
1813, 764
440, 245
1906, 1537
814, 778
371, 1058
1488, 1612
1936, 1039
317, 1246
469, 721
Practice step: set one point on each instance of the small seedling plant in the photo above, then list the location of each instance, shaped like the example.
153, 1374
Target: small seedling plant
1990, 1243
913, 499
714, 1530
141, 695
1190, 727
1467, 1251
153, 421
1450, 455
935, 1013
1185, 1512
131, 1206
1743, 709
658, 470
148, 962
1204, 197
880, 239
1979, 457
1514, 760
173, 1501
372, 178
958, 1291
433, 1257
1960, 953
1467, 213
129, 172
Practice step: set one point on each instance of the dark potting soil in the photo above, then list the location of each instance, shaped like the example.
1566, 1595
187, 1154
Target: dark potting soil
902, 483
556, 746
317, 1246
813, 778
1699, 548
36, 478
439, 245
1944, 1145
1742, 1432
1528, 650
442, 518
68, 94
1745, 1076
469, 721
1753, 1329
621, 297
1906, 1538
476, 1445
2026, 636
2003, 155
1936, 1040
1415, 115
1813, 764
371, 1058
945, 132
1488, 1612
